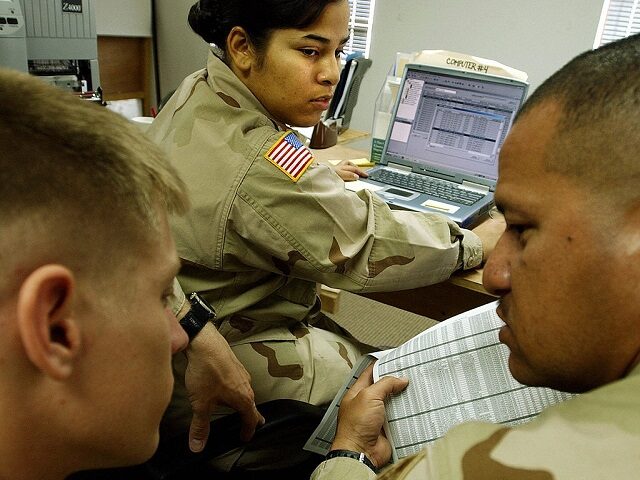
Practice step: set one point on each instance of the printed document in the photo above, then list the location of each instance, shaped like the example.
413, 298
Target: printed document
458, 371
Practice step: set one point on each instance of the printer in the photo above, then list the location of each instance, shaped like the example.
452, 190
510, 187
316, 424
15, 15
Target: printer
53, 39
13, 41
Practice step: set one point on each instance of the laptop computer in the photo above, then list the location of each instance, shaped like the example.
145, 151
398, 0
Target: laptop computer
445, 133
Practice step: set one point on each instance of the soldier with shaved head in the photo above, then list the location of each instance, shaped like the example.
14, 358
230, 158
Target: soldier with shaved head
567, 270
88, 265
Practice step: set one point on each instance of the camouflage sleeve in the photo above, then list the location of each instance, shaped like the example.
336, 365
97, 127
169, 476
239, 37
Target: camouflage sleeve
317, 230
178, 299
594, 435
465, 452
342, 469
463, 455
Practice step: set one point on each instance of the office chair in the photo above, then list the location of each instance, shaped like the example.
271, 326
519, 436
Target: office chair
275, 451
345, 96
338, 116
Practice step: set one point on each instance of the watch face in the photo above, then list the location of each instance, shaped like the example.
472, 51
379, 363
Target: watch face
201, 308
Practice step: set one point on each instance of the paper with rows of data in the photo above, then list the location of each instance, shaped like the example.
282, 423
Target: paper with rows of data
458, 371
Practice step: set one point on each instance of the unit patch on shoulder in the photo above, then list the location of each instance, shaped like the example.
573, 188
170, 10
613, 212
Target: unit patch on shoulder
290, 156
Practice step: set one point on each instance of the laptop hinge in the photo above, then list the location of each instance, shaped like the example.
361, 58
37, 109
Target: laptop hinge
398, 167
474, 187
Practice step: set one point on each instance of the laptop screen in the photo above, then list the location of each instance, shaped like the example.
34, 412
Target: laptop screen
453, 121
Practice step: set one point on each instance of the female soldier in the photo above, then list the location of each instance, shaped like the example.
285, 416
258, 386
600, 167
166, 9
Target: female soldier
268, 223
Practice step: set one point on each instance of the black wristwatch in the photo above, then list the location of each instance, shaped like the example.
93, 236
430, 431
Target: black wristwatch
361, 457
198, 316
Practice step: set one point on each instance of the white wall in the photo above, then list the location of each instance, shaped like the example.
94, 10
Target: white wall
535, 36
123, 18
180, 51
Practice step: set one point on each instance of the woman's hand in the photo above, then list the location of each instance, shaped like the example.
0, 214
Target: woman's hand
348, 171
489, 232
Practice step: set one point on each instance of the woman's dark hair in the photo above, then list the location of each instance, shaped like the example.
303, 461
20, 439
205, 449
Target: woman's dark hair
214, 19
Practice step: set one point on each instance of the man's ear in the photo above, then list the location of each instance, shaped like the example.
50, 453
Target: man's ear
240, 50
46, 323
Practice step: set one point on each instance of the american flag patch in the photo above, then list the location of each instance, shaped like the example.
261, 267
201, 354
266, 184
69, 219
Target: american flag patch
290, 156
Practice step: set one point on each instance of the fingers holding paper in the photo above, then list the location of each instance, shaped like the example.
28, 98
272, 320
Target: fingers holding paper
361, 417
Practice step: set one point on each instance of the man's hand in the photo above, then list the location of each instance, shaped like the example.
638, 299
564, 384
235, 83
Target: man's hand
214, 377
361, 417
348, 171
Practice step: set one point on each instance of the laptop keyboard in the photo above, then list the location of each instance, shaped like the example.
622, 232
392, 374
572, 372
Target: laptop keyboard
429, 185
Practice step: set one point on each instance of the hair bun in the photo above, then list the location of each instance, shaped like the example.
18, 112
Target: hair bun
203, 19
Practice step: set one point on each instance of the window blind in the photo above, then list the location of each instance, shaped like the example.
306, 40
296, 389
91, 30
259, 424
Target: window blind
619, 19
360, 26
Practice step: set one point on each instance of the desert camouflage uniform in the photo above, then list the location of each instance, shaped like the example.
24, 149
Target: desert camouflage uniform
255, 242
593, 436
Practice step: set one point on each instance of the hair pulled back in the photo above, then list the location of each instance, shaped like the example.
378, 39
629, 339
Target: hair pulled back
214, 19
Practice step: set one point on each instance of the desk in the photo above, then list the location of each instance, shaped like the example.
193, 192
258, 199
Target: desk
460, 293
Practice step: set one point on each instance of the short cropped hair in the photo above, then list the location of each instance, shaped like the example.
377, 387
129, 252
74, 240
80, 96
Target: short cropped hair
73, 173
599, 93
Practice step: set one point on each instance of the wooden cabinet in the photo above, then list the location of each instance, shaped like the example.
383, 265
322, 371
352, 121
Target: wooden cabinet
125, 69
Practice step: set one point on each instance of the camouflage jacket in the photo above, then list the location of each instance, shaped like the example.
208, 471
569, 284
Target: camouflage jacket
595, 435
256, 242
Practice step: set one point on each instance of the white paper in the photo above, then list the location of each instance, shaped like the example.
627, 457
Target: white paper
458, 371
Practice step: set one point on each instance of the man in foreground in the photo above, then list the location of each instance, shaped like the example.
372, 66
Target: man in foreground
567, 270
88, 263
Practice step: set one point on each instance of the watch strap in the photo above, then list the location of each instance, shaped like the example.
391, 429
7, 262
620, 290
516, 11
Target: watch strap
191, 325
361, 457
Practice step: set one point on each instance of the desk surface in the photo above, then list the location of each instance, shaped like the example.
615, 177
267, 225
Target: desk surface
461, 292
341, 151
